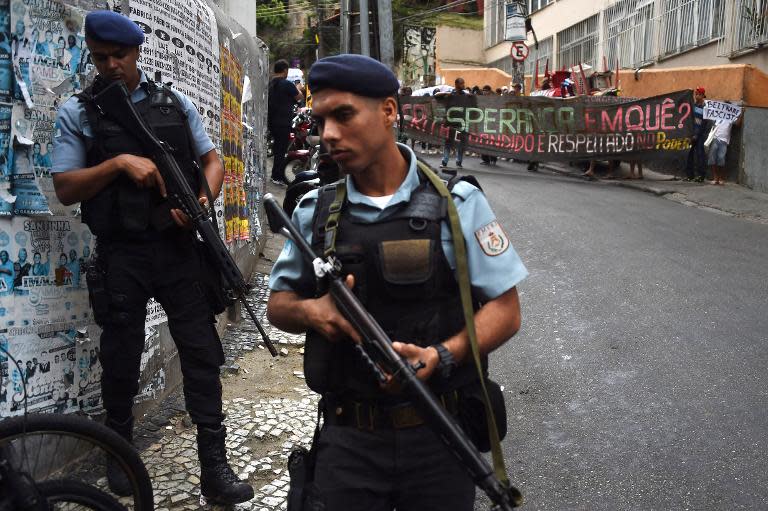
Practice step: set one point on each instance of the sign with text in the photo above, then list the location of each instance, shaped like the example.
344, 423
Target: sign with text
547, 129
721, 111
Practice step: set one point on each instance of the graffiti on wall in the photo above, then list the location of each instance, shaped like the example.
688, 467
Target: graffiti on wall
418, 69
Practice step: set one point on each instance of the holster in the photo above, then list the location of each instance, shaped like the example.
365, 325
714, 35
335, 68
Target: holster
303, 494
98, 294
218, 296
472, 413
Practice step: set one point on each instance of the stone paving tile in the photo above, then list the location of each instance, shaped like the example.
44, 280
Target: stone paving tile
168, 444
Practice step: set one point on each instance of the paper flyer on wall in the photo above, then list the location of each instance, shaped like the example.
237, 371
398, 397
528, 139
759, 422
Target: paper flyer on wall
182, 44
6, 63
48, 367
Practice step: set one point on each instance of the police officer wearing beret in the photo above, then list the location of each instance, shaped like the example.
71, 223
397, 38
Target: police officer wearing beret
145, 248
374, 452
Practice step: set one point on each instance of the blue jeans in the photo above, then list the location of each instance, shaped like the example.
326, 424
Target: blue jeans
459, 149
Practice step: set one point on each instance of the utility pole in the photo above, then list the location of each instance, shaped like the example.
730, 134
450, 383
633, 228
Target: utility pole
386, 35
345, 35
365, 29
319, 30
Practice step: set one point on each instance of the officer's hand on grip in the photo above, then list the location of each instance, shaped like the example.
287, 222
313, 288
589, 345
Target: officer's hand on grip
181, 218
416, 355
143, 172
323, 316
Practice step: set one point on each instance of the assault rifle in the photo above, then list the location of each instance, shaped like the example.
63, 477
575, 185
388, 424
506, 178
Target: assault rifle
378, 346
115, 101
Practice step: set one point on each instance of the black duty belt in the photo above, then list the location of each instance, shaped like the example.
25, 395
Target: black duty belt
373, 415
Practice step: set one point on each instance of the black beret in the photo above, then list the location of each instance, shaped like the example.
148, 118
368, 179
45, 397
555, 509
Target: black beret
358, 74
111, 27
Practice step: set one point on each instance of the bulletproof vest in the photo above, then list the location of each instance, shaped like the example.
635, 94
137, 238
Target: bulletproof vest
122, 210
402, 278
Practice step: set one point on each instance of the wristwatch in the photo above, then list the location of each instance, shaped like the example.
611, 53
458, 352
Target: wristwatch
447, 362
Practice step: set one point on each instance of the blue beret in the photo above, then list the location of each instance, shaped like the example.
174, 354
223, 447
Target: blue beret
111, 27
358, 74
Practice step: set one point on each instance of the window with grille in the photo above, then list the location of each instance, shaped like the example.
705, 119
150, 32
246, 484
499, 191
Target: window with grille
540, 55
577, 44
630, 32
686, 24
495, 20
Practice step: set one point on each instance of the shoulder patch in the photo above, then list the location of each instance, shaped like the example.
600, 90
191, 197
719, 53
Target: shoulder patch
492, 239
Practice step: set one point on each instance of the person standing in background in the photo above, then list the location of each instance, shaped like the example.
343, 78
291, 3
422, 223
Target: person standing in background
283, 95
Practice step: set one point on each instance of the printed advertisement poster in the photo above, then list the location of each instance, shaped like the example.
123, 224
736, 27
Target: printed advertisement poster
6, 62
182, 44
235, 207
49, 367
50, 63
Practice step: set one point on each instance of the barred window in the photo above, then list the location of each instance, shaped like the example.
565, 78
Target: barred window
686, 24
630, 32
540, 55
578, 43
745, 27
495, 17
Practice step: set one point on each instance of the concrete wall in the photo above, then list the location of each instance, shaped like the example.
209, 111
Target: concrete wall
734, 82
478, 76
459, 47
754, 152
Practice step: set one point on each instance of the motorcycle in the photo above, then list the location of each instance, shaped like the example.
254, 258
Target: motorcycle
322, 171
303, 140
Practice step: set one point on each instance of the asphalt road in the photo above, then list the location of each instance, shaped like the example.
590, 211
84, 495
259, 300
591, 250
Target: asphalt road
638, 380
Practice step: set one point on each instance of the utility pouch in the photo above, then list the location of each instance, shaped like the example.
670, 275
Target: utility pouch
303, 494
318, 356
219, 298
472, 412
98, 294
134, 207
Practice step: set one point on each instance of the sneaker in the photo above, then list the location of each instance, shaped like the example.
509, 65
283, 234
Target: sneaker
443, 164
279, 182
699, 179
458, 164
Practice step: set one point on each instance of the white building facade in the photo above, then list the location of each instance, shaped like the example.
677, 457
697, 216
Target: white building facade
635, 33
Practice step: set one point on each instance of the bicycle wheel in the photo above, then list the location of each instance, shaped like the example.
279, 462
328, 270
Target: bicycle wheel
69, 495
49, 446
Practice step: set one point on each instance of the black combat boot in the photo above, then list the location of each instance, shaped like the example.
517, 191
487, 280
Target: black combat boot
218, 483
116, 476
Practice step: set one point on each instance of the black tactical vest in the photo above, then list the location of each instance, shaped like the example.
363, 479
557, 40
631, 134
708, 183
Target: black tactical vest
402, 278
122, 210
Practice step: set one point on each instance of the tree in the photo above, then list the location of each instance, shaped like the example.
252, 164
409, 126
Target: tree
271, 14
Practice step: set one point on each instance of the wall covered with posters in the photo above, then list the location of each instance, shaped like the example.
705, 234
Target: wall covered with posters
45, 320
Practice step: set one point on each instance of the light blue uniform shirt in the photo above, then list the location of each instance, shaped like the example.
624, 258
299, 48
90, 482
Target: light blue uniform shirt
494, 269
72, 128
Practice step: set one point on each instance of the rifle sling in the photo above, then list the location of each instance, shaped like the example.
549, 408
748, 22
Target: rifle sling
462, 270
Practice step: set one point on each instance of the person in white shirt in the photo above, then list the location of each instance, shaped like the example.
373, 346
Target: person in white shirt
719, 148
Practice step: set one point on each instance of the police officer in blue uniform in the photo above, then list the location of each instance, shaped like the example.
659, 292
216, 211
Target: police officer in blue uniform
145, 248
374, 452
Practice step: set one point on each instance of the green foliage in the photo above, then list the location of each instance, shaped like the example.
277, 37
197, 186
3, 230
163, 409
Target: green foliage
271, 14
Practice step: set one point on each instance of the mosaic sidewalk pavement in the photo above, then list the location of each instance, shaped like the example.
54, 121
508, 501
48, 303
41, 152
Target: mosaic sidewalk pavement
282, 423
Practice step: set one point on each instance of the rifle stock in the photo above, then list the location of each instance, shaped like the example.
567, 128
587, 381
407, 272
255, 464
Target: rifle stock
504, 497
115, 101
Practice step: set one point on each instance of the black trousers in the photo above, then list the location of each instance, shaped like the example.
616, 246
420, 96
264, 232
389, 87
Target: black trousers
170, 270
407, 469
280, 136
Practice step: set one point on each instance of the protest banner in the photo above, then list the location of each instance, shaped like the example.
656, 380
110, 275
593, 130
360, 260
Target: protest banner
548, 129
721, 111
